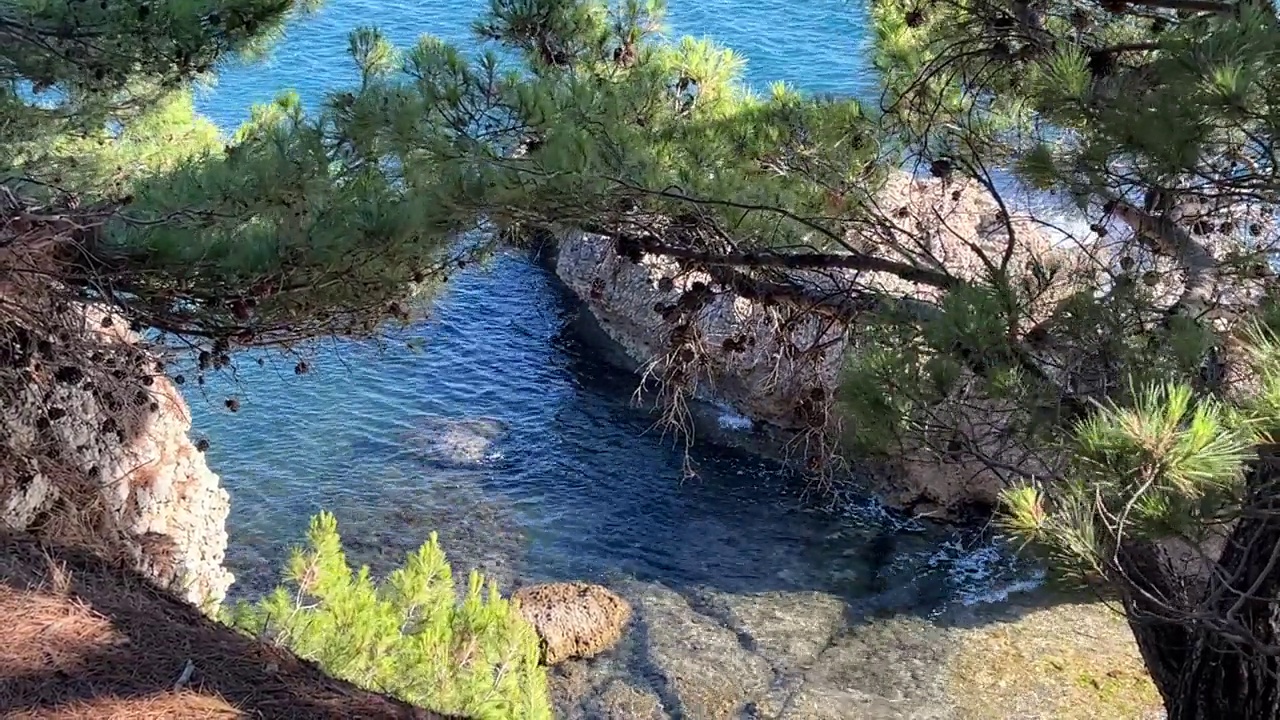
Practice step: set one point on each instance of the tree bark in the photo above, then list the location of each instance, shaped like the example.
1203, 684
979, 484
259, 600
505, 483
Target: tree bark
1210, 636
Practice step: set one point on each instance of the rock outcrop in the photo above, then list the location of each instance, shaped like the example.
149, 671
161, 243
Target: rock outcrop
771, 362
777, 362
94, 446
574, 620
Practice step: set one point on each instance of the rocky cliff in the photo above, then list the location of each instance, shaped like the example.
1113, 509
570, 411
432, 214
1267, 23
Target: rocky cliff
760, 359
780, 363
94, 447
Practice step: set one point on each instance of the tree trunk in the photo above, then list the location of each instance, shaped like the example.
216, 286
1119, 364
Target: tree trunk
1221, 680
1210, 636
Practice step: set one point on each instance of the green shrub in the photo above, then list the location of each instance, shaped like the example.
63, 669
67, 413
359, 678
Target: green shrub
407, 636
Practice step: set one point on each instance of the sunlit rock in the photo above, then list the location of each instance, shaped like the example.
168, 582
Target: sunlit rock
574, 620
94, 447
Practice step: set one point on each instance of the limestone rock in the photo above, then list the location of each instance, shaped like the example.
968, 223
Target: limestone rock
93, 441
574, 620
781, 366
881, 670
761, 380
703, 665
622, 701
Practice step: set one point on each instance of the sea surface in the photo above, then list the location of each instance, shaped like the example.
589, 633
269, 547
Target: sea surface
507, 432
821, 46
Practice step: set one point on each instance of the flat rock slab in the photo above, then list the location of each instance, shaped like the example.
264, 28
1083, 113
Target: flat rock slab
699, 654
706, 671
892, 669
621, 700
779, 655
789, 629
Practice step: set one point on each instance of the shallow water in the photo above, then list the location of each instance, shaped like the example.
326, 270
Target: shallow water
521, 446
509, 436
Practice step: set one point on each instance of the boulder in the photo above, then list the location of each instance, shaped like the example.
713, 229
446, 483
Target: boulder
573, 619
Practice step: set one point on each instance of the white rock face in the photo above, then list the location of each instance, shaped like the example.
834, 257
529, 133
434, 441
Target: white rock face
94, 447
775, 363
764, 379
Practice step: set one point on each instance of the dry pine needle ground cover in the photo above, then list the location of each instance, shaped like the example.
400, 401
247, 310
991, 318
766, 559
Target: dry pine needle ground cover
80, 638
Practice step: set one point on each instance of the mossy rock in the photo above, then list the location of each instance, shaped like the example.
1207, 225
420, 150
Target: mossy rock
1069, 661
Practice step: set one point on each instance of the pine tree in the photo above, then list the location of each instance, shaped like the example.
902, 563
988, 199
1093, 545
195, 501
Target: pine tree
407, 636
1158, 118
305, 225
280, 232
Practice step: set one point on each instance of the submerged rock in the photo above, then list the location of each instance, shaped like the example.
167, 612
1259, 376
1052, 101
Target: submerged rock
574, 620
706, 668
454, 443
622, 701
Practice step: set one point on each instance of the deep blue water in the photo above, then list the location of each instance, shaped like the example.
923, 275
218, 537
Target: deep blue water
575, 487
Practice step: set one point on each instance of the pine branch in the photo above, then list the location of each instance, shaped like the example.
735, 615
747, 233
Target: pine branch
1187, 5
800, 261
1165, 236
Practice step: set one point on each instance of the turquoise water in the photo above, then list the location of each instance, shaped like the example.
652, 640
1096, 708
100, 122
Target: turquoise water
818, 45
572, 485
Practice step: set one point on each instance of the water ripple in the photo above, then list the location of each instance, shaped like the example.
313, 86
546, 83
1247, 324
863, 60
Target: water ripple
555, 474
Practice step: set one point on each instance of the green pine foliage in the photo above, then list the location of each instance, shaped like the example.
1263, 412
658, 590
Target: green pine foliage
76, 67
306, 224
408, 636
1162, 462
1157, 118
580, 113
1167, 464
1092, 98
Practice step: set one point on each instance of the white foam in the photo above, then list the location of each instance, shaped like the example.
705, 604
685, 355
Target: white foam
871, 510
1002, 593
985, 574
730, 419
